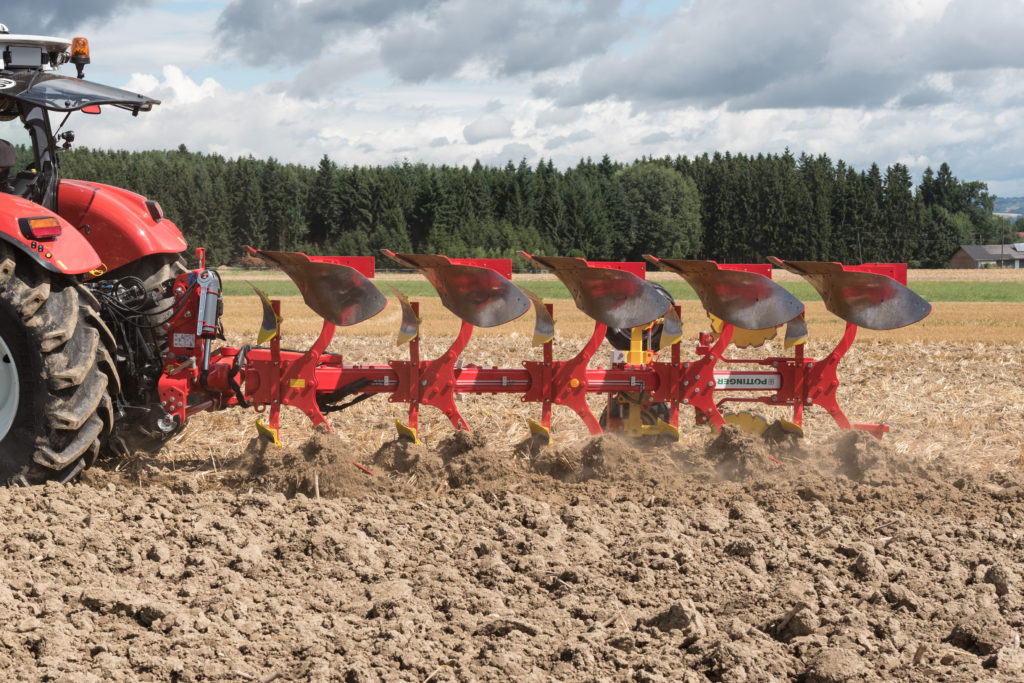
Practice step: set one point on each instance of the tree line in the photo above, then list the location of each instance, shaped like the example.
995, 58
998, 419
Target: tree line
731, 208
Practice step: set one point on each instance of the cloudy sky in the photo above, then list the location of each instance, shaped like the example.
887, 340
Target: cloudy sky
451, 81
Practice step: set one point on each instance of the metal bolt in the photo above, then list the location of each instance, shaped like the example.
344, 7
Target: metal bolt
711, 384
163, 404
809, 401
686, 401
810, 365
696, 390
686, 365
775, 363
775, 399
423, 382
698, 377
686, 384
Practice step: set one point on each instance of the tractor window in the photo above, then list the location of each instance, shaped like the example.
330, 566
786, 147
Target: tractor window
14, 132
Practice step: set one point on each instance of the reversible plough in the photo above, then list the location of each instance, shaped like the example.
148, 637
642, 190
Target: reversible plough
647, 382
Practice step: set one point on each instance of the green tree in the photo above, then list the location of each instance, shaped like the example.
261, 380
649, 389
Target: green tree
659, 212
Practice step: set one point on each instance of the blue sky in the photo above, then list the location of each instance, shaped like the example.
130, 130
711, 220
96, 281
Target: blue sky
918, 82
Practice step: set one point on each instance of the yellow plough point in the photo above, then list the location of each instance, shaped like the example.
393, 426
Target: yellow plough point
269, 433
539, 430
407, 432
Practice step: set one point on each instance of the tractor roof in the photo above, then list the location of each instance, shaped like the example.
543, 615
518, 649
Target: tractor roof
61, 93
47, 43
27, 75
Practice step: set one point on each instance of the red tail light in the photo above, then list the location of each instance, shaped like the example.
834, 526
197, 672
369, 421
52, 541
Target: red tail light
44, 228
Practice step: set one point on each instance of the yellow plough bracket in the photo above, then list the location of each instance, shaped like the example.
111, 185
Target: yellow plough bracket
636, 354
634, 424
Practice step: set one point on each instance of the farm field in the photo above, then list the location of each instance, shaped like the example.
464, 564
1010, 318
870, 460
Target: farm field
474, 558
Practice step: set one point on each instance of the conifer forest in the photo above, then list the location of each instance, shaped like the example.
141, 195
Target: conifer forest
726, 207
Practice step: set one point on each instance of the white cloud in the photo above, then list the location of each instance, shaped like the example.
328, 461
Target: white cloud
656, 138
144, 42
31, 16
801, 53
180, 90
557, 116
487, 127
915, 81
563, 140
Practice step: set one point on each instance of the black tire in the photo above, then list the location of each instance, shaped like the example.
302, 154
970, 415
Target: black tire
138, 405
57, 366
619, 338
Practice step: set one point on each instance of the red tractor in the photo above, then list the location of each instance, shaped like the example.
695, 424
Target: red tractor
86, 277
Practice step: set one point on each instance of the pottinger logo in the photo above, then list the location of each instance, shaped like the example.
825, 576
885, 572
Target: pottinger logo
760, 381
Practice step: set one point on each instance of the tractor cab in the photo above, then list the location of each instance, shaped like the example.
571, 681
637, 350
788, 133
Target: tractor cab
30, 89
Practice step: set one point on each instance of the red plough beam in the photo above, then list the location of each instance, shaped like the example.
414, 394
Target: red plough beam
646, 383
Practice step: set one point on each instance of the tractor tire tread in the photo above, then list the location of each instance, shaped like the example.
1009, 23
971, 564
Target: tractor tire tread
87, 438
106, 413
26, 299
64, 328
68, 369
60, 313
71, 413
92, 316
6, 268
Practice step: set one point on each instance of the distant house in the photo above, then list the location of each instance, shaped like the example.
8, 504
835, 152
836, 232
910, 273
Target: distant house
989, 256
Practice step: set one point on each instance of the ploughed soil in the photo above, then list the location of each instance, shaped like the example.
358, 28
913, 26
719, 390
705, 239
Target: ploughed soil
746, 559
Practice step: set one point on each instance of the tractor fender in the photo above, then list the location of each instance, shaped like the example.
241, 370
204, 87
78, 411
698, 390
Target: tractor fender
69, 253
120, 225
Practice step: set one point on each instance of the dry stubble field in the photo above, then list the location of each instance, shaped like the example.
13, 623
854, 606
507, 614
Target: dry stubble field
474, 558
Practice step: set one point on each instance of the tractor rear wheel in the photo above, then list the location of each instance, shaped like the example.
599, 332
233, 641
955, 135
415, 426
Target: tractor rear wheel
55, 374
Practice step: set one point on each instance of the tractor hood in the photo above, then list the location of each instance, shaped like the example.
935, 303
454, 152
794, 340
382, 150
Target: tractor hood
62, 93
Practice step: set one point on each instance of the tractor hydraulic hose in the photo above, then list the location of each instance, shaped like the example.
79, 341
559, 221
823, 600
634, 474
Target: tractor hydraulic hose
236, 367
329, 403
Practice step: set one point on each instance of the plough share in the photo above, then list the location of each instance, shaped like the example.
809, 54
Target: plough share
647, 383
